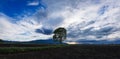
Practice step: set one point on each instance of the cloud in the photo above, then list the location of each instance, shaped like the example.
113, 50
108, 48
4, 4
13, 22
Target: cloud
94, 25
33, 3
90, 19
83, 19
23, 30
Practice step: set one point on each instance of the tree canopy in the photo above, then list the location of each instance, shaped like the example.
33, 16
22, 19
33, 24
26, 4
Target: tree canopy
0, 40
59, 34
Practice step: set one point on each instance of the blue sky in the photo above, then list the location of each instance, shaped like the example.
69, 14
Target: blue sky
26, 20
14, 8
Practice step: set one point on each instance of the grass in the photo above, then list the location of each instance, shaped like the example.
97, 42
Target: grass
62, 52
11, 50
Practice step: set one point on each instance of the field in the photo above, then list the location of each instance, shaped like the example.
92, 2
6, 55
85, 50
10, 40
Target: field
31, 51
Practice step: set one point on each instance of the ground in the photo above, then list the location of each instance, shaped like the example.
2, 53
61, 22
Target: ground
66, 52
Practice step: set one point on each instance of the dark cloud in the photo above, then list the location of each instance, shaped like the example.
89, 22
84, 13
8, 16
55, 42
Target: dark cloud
44, 31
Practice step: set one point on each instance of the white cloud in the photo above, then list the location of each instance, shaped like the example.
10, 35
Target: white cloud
83, 19
81, 15
33, 3
23, 30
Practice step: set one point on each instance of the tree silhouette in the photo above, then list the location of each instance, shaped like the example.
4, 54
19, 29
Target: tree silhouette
59, 34
1, 40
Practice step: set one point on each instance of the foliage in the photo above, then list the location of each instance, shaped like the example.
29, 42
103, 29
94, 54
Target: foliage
1, 40
59, 34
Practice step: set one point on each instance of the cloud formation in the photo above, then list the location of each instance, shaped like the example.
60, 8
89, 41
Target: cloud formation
23, 30
89, 19
83, 19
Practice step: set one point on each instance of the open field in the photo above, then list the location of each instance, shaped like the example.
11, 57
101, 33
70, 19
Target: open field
23, 48
25, 45
62, 52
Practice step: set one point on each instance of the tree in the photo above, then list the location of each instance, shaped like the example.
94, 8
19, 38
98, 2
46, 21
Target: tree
1, 40
59, 34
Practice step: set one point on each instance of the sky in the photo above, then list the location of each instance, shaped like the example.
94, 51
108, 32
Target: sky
85, 20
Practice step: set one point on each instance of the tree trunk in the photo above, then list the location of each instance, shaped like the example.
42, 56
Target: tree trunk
61, 40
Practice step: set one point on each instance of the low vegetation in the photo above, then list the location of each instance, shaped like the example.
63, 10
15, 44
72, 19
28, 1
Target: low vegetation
62, 52
13, 49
